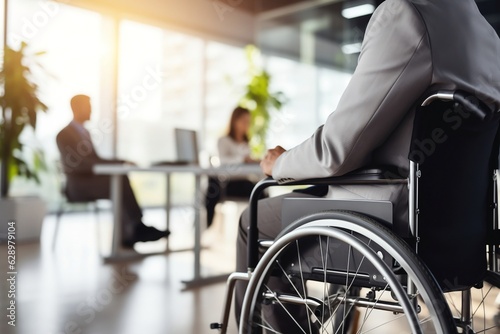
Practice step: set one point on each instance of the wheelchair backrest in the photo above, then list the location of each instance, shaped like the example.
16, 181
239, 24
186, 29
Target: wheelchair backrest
457, 152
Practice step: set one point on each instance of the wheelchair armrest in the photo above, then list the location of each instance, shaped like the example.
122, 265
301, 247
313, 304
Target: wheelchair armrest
360, 176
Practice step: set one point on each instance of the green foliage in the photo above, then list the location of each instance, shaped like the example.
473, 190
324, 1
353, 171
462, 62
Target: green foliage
20, 104
259, 100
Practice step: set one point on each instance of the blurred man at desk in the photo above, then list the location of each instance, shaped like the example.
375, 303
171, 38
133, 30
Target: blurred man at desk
78, 157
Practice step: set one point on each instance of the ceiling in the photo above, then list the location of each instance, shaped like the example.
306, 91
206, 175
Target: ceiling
313, 31
489, 8
287, 27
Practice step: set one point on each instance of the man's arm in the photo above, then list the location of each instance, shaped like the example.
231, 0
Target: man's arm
78, 154
394, 69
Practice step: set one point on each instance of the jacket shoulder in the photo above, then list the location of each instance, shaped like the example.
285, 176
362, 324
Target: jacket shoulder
63, 133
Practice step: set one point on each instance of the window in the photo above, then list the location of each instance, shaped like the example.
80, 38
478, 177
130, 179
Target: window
71, 38
160, 89
225, 82
332, 84
312, 92
166, 80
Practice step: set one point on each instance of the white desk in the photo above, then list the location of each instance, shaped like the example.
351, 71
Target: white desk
117, 171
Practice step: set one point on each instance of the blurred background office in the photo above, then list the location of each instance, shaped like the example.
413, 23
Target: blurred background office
152, 66
191, 59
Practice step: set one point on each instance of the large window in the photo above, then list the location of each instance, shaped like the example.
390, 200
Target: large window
160, 89
71, 38
166, 80
298, 118
313, 93
225, 80
140, 85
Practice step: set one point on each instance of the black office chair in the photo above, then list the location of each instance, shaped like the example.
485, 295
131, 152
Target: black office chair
343, 269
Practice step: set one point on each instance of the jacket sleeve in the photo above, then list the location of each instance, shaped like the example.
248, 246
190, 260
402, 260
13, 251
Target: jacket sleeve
394, 69
78, 155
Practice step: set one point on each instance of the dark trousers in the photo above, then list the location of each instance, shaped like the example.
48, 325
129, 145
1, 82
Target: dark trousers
269, 223
217, 191
90, 187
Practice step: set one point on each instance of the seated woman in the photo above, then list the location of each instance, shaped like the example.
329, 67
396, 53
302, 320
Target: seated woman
233, 149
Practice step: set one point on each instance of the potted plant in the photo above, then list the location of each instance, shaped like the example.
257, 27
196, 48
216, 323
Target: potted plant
20, 105
259, 100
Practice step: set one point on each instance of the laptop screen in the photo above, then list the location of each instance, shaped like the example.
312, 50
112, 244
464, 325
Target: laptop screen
186, 143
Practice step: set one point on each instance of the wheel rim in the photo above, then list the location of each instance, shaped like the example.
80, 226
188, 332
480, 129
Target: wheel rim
346, 302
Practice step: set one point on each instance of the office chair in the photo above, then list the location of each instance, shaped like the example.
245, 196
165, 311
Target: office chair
67, 201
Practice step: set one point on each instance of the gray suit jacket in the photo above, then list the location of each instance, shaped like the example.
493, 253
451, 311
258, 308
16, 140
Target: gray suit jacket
409, 47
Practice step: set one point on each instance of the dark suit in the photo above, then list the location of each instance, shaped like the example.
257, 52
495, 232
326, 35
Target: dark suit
78, 156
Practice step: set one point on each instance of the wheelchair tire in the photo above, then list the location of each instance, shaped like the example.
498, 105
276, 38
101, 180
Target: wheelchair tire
289, 291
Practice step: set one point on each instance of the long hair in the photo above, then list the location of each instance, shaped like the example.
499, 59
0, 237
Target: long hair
237, 113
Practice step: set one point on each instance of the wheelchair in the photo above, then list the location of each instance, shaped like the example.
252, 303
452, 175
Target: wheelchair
344, 267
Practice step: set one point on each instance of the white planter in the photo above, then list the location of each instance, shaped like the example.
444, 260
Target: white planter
28, 213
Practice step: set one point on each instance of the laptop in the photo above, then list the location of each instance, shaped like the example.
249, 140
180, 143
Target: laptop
186, 147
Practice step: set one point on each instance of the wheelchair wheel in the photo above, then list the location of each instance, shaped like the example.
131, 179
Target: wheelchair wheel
340, 272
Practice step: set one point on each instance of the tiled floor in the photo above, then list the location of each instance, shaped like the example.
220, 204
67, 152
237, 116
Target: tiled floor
70, 290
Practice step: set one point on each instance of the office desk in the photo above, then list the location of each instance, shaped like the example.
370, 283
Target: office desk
116, 173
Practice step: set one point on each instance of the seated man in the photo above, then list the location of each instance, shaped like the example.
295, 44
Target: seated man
78, 157
410, 46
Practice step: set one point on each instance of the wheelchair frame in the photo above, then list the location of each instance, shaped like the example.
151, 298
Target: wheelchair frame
366, 177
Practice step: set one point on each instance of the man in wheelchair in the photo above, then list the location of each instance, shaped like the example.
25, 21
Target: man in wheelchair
412, 49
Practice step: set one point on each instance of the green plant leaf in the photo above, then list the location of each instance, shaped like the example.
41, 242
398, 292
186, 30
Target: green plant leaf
20, 105
259, 100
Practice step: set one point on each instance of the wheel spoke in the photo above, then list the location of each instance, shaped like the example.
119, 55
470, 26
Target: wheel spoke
268, 328
478, 321
324, 261
303, 283
346, 282
348, 288
344, 319
367, 314
385, 323
285, 309
345, 293
486, 329
294, 286
483, 297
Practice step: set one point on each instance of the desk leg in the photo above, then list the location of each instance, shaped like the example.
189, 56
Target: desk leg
168, 206
197, 227
116, 196
200, 218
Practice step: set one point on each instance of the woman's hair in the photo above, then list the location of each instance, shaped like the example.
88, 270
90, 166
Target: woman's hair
237, 113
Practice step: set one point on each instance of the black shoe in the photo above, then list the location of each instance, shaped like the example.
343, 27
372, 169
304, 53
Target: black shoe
149, 233
144, 233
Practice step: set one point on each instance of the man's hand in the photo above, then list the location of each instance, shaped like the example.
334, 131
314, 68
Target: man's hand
272, 155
